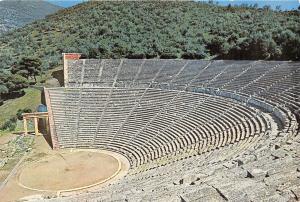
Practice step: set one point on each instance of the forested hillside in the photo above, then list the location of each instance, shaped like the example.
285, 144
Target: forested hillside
153, 29
16, 13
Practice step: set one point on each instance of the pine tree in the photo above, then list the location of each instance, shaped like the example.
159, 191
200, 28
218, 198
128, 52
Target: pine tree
27, 67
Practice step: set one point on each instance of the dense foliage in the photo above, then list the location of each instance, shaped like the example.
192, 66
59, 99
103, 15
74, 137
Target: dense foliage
11, 85
10, 124
156, 29
21, 111
27, 67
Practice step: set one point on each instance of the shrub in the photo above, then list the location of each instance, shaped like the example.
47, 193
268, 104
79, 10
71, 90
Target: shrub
10, 124
21, 111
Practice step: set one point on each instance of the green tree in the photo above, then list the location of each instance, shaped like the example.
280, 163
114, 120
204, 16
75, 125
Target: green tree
3, 89
290, 44
27, 67
18, 83
10, 124
21, 111
11, 85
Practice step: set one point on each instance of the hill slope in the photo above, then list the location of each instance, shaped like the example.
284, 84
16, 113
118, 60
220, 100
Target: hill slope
14, 14
156, 29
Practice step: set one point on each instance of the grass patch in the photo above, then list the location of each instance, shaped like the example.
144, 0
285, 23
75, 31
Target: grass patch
9, 109
31, 100
4, 132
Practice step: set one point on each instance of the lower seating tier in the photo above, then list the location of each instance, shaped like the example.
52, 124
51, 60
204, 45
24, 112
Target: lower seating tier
146, 124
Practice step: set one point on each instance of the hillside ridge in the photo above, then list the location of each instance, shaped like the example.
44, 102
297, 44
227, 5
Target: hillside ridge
15, 14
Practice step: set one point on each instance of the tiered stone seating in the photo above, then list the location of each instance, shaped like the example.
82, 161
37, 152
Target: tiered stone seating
148, 114
146, 125
175, 117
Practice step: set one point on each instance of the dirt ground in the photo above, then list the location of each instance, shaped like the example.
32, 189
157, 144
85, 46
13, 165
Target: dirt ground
77, 169
46, 173
6, 138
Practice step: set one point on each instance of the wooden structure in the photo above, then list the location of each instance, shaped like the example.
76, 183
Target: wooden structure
35, 116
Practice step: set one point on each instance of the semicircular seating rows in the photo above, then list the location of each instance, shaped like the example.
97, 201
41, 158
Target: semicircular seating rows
161, 122
155, 112
146, 109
